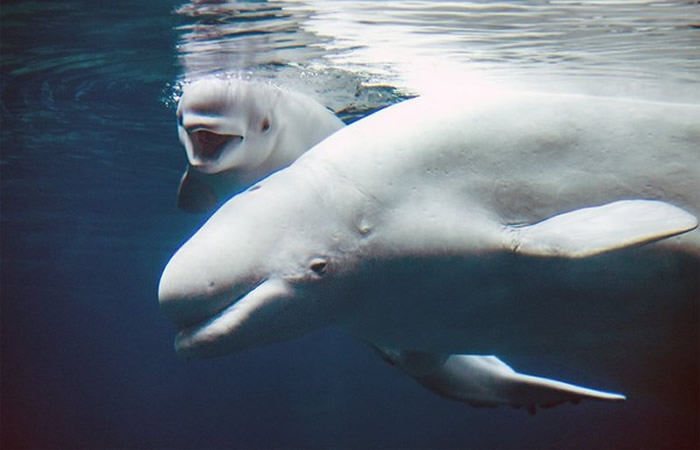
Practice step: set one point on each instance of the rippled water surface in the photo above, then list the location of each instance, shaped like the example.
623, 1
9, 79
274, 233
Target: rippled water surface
90, 163
638, 47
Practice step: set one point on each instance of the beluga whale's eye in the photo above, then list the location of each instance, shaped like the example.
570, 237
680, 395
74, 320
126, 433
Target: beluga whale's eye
265, 124
319, 266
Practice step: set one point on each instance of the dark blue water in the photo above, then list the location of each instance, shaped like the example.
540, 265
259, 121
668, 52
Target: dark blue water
89, 168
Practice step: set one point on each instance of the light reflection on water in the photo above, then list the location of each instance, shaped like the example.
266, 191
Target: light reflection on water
634, 48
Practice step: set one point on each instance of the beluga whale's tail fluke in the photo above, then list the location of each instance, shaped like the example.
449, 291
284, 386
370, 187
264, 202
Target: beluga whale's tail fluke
486, 381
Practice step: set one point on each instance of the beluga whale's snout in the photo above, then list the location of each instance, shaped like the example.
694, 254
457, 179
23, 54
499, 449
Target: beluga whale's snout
215, 314
187, 293
207, 279
224, 297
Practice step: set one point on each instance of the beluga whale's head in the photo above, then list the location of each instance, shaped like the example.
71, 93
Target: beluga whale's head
259, 270
227, 124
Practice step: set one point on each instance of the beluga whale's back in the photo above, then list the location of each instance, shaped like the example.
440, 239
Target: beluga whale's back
450, 225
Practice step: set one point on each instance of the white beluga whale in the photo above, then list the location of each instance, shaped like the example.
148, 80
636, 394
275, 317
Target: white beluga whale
236, 132
448, 228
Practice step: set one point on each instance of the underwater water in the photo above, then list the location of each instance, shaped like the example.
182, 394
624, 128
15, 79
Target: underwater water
89, 168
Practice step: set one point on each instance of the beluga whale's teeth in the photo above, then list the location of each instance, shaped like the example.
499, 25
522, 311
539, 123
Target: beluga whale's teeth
489, 223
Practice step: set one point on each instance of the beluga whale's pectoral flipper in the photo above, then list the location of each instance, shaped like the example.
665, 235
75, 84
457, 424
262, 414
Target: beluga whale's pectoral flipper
195, 194
486, 381
590, 231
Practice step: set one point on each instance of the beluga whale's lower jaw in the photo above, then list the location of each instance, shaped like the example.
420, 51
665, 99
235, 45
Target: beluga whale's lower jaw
418, 228
234, 327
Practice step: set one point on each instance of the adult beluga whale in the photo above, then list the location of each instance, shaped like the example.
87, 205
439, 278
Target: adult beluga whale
442, 226
210, 107
236, 132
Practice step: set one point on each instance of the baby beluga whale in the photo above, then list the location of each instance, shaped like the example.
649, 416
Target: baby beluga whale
416, 229
236, 132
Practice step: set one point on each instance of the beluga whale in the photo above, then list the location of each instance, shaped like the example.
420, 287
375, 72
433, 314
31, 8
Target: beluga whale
449, 231
236, 132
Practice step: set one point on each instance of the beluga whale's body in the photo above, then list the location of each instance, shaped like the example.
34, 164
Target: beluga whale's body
236, 132
441, 226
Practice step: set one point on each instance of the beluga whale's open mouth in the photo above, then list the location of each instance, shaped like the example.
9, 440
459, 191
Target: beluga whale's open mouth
207, 145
